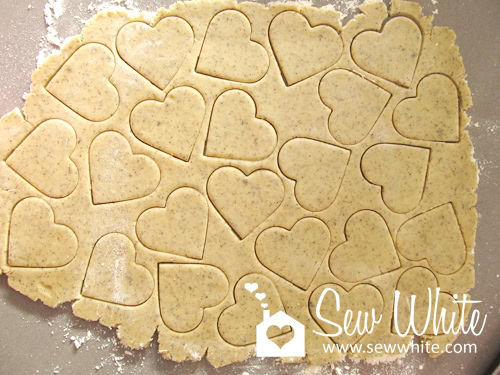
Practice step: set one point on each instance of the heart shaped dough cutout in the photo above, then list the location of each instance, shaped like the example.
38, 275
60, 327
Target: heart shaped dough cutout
43, 159
434, 235
368, 251
356, 104
91, 66
179, 228
235, 132
114, 276
156, 52
294, 254
116, 173
35, 240
171, 126
400, 171
417, 281
228, 51
363, 298
434, 114
315, 166
243, 201
302, 50
238, 322
392, 53
203, 285
14, 128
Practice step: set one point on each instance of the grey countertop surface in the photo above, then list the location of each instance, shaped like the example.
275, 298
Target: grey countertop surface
35, 339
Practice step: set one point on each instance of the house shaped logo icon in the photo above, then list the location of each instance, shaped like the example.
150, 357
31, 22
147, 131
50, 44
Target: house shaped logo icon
266, 348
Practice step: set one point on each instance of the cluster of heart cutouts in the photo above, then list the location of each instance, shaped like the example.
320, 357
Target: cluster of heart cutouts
312, 164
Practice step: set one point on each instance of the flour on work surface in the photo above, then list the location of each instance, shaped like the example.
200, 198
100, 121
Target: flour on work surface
54, 10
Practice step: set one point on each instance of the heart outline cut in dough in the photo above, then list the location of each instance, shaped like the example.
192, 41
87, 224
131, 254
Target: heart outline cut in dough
229, 189
357, 298
235, 132
157, 61
244, 59
433, 114
366, 232
347, 93
111, 162
296, 254
43, 159
314, 166
417, 281
94, 101
180, 227
166, 125
396, 47
435, 236
36, 240
205, 286
400, 171
113, 281
293, 46
237, 323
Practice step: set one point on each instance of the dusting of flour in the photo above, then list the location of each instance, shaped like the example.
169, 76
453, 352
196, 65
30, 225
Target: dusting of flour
51, 43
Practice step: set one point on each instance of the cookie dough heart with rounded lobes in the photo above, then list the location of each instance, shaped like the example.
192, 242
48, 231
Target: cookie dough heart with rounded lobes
179, 228
156, 52
235, 132
213, 163
116, 173
237, 323
91, 95
420, 284
434, 235
114, 276
368, 251
243, 201
329, 304
302, 50
294, 254
228, 51
391, 53
205, 286
43, 159
318, 169
171, 126
356, 104
400, 171
433, 115
36, 240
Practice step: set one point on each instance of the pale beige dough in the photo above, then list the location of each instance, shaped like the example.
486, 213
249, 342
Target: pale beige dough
184, 172
235, 132
434, 114
171, 126
356, 299
157, 53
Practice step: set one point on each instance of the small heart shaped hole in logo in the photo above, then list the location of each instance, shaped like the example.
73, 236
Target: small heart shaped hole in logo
251, 287
273, 331
264, 305
260, 296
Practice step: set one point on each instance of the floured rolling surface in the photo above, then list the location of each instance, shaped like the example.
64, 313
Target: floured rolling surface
187, 172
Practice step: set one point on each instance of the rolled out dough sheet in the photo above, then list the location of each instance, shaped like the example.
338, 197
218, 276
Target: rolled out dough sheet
187, 171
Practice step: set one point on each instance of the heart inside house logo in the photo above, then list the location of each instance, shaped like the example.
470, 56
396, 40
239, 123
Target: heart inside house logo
203, 172
284, 329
